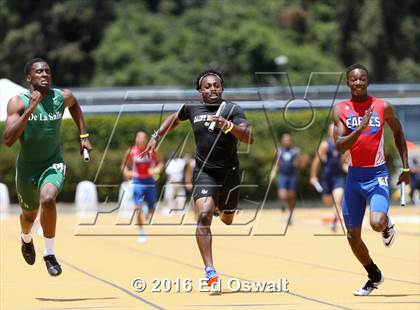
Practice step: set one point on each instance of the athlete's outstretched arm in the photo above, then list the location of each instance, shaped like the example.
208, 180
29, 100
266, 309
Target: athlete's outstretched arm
17, 117
242, 131
276, 165
301, 160
125, 166
76, 113
399, 138
159, 164
345, 158
344, 142
321, 153
188, 175
168, 124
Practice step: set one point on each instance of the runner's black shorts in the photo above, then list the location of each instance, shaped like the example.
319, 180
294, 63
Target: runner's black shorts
221, 184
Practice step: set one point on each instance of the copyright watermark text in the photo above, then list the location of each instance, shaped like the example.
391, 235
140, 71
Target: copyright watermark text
187, 285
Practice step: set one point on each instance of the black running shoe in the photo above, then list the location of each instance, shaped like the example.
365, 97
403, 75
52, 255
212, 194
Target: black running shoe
28, 252
53, 266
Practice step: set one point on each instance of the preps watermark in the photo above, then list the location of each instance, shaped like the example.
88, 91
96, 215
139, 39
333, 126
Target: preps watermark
187, 285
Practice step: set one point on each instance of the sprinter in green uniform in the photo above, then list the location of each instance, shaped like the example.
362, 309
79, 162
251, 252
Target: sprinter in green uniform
34, 118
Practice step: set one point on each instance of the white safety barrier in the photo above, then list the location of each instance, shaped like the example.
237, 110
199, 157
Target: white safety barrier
86, 199
125, 200
4, 201
174, 199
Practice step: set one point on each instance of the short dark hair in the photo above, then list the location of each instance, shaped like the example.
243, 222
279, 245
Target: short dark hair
29, 63
356, 66
206, 73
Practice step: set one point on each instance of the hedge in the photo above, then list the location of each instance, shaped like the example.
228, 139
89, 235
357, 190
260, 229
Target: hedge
256, 160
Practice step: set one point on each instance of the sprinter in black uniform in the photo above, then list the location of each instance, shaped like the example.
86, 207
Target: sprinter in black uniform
216, 174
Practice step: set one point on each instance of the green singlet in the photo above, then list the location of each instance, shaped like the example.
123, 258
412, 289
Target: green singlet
39, 161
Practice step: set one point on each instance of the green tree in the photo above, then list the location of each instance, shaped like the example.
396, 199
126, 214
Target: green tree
167, 42
384, 35
144, 47
370, 41
62, 32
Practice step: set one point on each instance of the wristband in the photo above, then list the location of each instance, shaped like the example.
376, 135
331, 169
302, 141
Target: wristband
84, 135
405, 169
230, 127
155, 135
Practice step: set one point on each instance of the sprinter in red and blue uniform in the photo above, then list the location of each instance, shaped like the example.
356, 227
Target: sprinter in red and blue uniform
140, 167
358, 127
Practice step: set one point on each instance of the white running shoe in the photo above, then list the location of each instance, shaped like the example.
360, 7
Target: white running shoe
142, 238
388, 235
366, 289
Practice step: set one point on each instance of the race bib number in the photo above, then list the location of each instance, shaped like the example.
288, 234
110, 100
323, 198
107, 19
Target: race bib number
383, 181
60, 167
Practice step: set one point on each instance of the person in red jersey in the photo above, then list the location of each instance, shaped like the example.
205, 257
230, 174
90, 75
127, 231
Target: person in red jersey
141, 168
358, 127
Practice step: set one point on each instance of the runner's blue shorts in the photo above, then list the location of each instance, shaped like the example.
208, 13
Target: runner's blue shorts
365, 185
288, 182
144, 190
